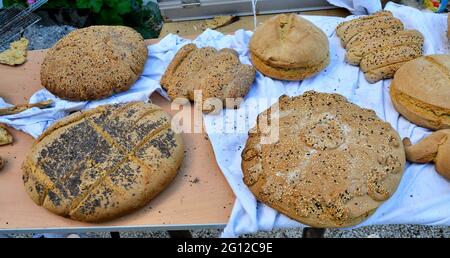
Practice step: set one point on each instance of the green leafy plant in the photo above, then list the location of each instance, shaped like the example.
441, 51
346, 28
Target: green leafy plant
146, 19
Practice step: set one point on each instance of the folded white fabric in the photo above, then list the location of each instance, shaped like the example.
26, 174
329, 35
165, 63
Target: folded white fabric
423, 196
358, 7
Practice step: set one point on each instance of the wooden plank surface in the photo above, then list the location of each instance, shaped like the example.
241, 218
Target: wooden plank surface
198, 195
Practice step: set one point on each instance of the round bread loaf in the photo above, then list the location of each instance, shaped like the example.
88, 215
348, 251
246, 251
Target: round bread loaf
288, 47
94, 62
333, 164
102, 163
420, 91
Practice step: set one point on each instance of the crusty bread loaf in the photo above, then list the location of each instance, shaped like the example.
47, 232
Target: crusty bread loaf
379, 44
384, 20
333, 164
288, 47
433, 148
420, 91
102, 163
216, 73
401, 38
94, 62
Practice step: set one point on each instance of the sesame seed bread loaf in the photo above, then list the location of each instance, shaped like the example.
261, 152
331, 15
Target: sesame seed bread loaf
94, 62
102, 163
420, 91
379, 44
289, 47
343, 27
216, 73
332, 166
349, 29
410, 38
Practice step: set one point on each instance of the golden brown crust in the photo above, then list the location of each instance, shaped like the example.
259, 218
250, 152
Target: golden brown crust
94, 62
332, 166
289, 74
103, 163
420, 91
289, 47
433, 148
215, 73
5, 136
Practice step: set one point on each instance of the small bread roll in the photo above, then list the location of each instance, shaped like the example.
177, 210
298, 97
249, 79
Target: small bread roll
434, 148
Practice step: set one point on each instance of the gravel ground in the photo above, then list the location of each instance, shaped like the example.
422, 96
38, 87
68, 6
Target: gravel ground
44, 37
386, 231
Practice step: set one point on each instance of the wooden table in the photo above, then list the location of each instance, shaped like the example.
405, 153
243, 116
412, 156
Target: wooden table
198, 197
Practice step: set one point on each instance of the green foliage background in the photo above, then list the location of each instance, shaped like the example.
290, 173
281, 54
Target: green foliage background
146, 19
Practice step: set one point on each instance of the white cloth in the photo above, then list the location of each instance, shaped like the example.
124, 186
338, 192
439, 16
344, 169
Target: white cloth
423, 196
358, 7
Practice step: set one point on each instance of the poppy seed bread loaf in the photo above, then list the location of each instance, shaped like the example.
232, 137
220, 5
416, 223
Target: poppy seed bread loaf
379, 44
94, 62
102, 163
333, 164
216, 74
289, 47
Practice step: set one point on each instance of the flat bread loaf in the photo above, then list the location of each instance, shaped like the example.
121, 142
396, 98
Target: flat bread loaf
102, 163
332, 166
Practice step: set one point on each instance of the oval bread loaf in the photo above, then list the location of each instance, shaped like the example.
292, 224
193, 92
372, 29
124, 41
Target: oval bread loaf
102, 163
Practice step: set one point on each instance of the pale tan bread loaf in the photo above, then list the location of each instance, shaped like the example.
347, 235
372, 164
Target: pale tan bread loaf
379, 44
420, 91
400, 38
433, 148
102, 163
289, 47
94, 62
366, 37
383, 63
343, 27
333, 165
216, 73
349, 29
